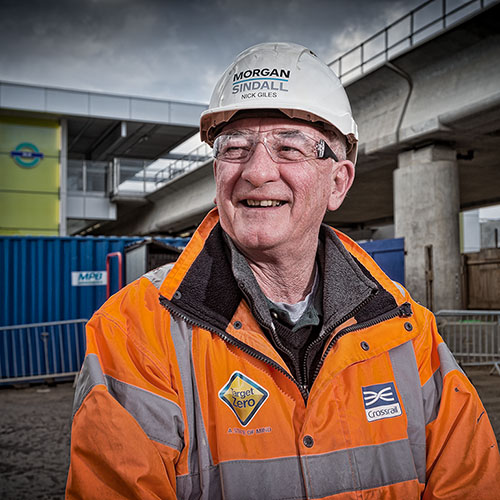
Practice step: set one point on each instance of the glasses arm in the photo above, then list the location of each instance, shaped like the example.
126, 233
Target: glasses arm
325, 151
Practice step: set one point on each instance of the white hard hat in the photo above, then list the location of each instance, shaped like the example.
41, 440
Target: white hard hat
285, 77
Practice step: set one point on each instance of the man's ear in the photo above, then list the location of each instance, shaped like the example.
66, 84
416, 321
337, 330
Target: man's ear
342, 182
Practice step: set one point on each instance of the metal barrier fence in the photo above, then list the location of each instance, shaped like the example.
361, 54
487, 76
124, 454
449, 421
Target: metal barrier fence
41, 351
472, 336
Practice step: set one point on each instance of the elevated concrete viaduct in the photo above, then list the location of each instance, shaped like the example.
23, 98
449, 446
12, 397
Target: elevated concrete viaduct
429, 121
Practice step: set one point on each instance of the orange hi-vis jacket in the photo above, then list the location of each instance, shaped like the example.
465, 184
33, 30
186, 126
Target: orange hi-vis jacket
182, 395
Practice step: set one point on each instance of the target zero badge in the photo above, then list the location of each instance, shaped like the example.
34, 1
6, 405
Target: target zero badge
244, 397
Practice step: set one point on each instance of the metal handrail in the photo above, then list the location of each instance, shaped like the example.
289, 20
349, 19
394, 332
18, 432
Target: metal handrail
409, 38
200, 154
146, 180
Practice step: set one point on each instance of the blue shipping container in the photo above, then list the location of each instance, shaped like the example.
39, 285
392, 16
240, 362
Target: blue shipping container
48, 278
389, 255
38, 281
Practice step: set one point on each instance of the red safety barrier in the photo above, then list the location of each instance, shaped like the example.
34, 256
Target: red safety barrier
108, 269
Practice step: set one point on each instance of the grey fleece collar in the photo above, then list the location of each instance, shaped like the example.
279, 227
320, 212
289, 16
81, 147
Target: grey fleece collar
345, 286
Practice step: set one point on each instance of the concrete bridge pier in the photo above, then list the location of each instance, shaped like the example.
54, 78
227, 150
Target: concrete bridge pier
426, 214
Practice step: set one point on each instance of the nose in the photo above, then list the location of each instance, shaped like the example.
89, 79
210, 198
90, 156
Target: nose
260, 168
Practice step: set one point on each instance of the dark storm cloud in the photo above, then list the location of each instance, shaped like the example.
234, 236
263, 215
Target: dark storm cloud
169, 49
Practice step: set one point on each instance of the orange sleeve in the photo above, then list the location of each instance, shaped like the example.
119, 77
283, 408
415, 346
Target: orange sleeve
112, 457
463, 461
128, 426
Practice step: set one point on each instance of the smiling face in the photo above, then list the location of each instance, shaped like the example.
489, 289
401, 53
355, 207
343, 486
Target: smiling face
267, 206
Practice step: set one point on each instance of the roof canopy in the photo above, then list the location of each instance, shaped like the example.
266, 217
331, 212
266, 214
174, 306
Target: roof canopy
102, 126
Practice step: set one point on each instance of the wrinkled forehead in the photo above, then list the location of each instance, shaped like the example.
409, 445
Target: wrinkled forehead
266, 123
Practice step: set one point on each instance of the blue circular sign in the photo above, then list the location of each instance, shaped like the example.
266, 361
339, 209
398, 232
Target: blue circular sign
27, 155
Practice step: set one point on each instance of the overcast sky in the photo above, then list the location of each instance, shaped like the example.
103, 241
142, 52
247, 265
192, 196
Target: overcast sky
165, 48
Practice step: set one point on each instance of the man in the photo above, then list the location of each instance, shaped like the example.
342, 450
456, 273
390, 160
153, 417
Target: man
275, 359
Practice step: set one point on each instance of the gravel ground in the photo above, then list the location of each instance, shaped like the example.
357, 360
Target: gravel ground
35, 434
34, 441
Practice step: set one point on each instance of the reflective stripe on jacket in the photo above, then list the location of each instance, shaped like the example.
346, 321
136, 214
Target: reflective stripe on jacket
176, 399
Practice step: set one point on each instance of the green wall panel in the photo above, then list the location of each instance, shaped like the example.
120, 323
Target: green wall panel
43, 133
30, 211
44, 177
29, 186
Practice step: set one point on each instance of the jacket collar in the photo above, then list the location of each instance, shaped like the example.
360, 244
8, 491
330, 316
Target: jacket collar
210, 279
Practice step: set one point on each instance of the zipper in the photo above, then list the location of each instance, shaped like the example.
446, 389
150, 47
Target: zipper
300, 382
174, 310
327, 332
402, 311
272, 330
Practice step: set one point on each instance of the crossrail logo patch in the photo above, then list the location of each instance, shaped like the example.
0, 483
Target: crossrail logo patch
381, 401
244, 396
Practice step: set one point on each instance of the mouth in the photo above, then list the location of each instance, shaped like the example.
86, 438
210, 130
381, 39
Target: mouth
263, 203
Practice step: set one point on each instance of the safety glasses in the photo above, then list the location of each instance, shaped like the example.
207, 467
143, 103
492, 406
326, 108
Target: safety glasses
283, 146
